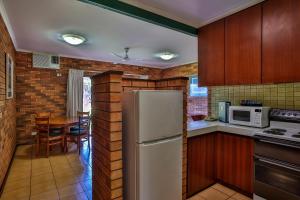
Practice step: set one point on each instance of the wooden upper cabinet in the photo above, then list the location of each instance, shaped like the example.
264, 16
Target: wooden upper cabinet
211, 54
243, 47
281, 41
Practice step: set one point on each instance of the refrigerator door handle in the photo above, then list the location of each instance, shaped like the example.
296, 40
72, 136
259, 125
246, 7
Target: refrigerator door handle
164, 140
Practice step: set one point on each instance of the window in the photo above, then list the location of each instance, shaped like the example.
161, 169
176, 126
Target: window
196, 91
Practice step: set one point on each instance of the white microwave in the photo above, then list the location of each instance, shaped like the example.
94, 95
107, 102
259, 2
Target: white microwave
249, 116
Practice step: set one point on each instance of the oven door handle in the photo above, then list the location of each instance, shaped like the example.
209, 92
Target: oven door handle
296, 169
278, 143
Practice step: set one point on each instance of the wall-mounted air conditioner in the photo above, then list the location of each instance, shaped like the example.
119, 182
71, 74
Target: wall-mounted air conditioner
43, 60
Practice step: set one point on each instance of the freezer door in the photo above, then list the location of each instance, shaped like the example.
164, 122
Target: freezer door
159, 114
160, 170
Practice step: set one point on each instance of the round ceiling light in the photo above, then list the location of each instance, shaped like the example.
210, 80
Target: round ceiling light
166, 55
73, 39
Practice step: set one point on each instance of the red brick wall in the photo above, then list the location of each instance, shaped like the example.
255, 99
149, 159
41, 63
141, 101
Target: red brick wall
7, 107
180, 71
134, 84
107, 136
40, 89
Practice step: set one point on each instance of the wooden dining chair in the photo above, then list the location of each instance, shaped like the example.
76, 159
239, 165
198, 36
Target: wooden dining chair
47, 136
43, 114
79, 133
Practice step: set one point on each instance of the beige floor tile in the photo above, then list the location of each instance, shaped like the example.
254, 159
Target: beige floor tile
196, 197
81, 196
20, 193
83, 176
16, 176
41, 171
43, 187
49, 195
60, 166
239, 196
64, 172
80, 170
39, 166
58, 158
24, 170
89, 194
14, 185
42, 178
213, 194
78, 163
224, 189
74, 158
86, 185
66, 180
70, 190
40, 161
21, 165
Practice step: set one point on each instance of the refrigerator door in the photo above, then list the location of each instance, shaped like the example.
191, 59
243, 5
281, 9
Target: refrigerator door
160, 170
159, 114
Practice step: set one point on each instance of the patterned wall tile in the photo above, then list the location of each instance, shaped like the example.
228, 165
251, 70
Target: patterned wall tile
285, 96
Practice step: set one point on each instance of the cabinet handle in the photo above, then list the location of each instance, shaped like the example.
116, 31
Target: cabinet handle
286, 166
279, 143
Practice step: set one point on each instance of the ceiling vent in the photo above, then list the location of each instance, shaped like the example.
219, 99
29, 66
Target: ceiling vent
42, 60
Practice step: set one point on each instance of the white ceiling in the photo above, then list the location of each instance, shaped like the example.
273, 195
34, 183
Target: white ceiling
193, 12
36, 25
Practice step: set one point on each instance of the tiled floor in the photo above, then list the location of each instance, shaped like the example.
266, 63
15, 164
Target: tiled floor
61, 176
219, 192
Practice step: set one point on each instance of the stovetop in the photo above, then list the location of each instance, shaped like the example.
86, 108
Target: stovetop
284, 124
282, 130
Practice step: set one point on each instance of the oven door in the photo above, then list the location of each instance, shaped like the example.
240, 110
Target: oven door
240, 115
276, 180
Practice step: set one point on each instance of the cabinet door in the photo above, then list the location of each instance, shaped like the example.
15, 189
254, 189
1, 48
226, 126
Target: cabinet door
211, 54
201, 163
281, 41
234, 161
243, 47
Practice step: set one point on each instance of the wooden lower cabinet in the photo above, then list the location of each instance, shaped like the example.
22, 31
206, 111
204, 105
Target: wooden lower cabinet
200, 163
234, 161
219, 157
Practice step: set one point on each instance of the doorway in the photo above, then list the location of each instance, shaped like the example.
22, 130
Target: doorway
87, 94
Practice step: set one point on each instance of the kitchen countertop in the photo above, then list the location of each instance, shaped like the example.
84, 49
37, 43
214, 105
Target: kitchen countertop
196, 128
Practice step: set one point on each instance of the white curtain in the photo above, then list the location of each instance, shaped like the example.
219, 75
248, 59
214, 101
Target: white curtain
74, 92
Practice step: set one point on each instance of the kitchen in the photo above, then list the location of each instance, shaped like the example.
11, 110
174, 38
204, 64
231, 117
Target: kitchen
167, 122
255, 147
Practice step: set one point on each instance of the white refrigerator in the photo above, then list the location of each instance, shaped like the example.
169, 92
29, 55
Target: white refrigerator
152, 148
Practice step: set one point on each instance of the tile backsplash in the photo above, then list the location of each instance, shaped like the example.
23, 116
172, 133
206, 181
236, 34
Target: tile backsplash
286, 96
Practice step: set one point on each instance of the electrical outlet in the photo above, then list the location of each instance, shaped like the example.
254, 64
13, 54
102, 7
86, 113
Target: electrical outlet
33, 133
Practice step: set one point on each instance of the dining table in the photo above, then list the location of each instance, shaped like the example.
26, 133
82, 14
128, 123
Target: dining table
62, 121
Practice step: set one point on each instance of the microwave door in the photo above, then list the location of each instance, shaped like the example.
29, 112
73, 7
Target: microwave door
241, 116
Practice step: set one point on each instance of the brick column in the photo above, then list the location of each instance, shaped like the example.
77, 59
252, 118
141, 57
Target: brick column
180, 83
107, 135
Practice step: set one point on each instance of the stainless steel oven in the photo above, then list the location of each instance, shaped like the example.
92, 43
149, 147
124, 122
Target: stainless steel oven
277, 169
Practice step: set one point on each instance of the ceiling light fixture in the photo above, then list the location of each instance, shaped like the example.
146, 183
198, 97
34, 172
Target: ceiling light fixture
73, 39
166, 55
